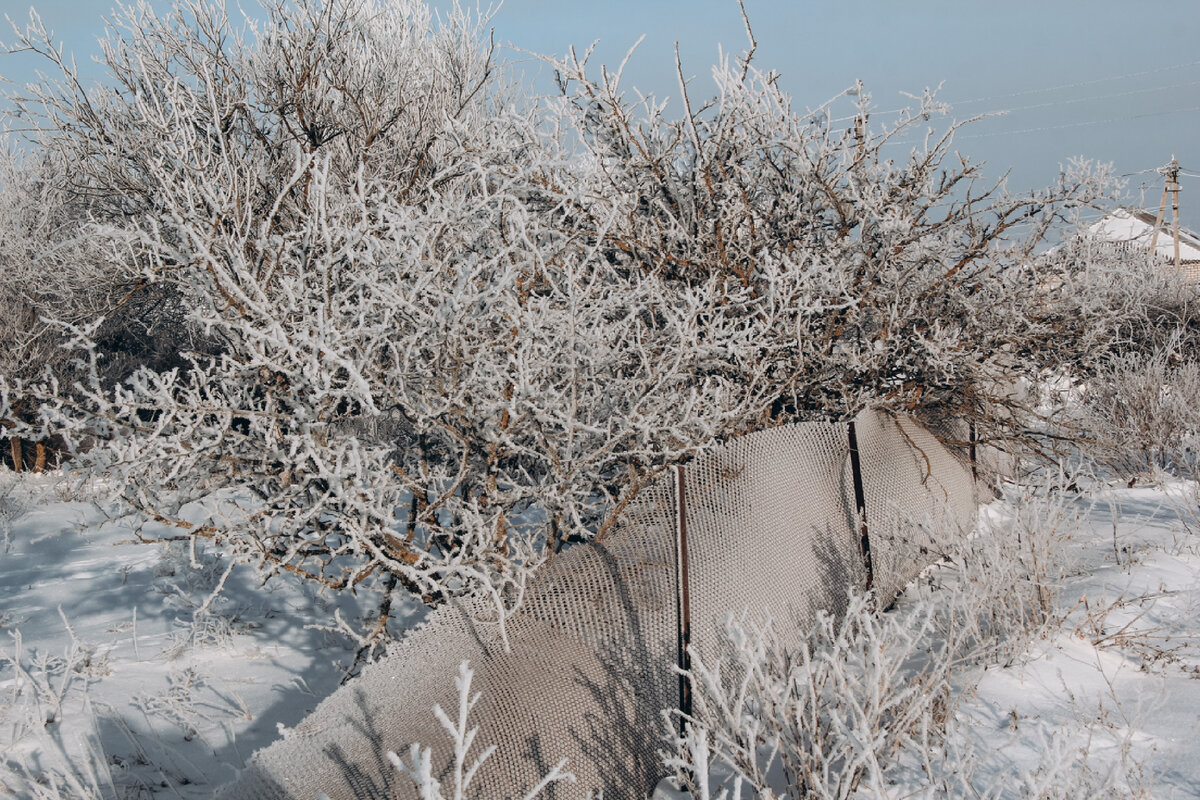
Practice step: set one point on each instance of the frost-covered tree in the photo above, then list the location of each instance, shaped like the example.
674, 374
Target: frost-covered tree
885, 269
423, 371
1130, 333
433, 329
52, 269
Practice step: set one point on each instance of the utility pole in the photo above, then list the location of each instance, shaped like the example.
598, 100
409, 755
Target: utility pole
1173, 182
1170, 187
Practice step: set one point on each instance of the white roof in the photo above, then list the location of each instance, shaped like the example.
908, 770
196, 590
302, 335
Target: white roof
1135, 227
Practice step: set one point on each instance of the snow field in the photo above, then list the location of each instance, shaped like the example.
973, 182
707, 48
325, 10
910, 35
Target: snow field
1102, 700
1116, 684
1079, 680
115, 682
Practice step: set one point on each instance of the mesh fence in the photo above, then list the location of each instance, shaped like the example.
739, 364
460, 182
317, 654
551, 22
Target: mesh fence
771, 520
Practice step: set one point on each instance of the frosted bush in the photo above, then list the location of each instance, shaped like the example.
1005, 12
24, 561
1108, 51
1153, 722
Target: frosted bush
1141, 413
431, 337
870, 694
820, 722
44, 685
457, 786
13, 504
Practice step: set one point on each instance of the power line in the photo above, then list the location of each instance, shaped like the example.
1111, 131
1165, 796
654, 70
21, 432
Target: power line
1102, 96
1078, 100
1077, 84
1085, 123
1082, 124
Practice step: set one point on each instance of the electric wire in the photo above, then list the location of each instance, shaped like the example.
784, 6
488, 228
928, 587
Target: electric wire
1059, 87
1040, 129
1085, 123
1077, 84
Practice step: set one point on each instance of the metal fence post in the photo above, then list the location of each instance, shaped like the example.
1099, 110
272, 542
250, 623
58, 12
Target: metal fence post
683, 604
973, 437
860, 503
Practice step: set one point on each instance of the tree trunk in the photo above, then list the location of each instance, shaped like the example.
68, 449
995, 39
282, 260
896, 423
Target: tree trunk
14, 443
40, 464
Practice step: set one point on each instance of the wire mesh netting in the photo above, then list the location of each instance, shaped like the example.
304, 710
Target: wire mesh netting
771, 521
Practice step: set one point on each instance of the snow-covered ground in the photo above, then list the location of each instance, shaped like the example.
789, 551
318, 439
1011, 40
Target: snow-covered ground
117, 681
107, 654
1115, 689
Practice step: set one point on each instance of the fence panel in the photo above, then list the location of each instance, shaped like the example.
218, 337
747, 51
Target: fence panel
770, 521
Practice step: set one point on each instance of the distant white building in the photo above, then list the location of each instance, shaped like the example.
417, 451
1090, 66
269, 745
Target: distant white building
1131, 230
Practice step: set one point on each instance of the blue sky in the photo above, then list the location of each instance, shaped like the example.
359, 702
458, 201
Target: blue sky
1113, 81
